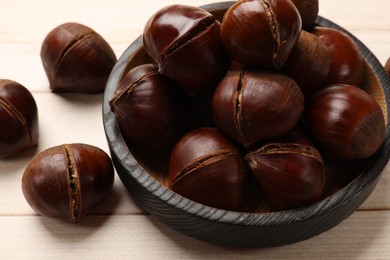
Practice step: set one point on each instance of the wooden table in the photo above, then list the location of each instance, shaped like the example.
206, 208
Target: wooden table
118, 228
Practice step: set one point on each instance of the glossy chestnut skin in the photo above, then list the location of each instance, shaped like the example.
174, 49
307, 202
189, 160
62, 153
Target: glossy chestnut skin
344, 122
290, 173
347, 63
208, 168
67, 181
151, 110
311, 54
251, 106
185, 41
261, 33
308, 9
19, 127
76, 59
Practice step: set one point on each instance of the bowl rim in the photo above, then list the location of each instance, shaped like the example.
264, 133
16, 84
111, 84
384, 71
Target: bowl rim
324, 206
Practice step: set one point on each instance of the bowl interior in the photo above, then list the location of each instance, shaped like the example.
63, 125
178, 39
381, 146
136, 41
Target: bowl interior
354, 177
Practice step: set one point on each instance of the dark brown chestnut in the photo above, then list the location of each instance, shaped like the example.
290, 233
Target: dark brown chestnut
290, 173
344, 122
67, 181
347, 63
308, 63
251, 106
18, 118
76, 59
308, 9
151, 110
261, 32
185, 41
208, 168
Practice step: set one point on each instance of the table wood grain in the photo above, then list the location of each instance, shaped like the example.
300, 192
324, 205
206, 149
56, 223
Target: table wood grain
118, 228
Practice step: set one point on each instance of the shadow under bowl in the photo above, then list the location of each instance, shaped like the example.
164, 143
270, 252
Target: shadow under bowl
231, 228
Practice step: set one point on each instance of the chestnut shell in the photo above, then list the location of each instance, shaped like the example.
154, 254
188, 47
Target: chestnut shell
185, 41
151, 110
67, 181
208, 168
251, 106
261, 33
19, 128
76, 59
345, 122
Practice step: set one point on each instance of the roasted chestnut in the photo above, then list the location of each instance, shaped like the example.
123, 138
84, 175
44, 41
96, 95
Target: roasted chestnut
347, 63
185, 41
208, 168
76, 59
261, 33
18, 118
67, 181
308, 63
151, 110
308, 9
290, 173
344, 122
251, 106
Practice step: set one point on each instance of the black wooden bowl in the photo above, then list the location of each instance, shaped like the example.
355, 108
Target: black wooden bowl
231, 228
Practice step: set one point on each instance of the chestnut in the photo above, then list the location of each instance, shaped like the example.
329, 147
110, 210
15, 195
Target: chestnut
311, 54
208, 168
344, 122
290, 173
308, 9
18, 118
68, 180
250, 106
185, 41
151, 110
261, 33
347, 63
76, 59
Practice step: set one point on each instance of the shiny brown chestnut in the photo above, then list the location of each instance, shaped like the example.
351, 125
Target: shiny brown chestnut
185, 41
251, 106
151, 110
261, 32
308, 9
308, 63
347, 63
67, 181
290, 173
208, 168
76, 59
344, 122
19, 128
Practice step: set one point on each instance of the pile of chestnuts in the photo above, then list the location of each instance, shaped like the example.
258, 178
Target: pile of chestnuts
262, 97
